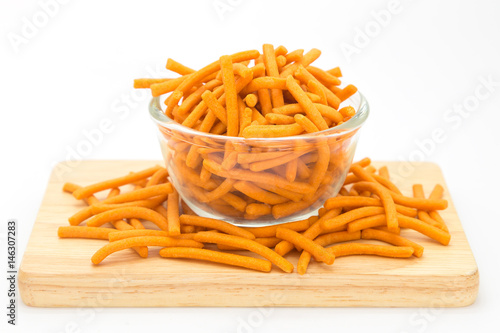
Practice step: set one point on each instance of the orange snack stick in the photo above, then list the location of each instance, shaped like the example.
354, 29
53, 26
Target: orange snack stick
386, 198
306, 124
294, 56
136, 223
350, 216
80, 216
280, 61
246, 119
235, 201
347, 111
187, 229
371, 169
215, 224
313, 97
367, 222
430, 231
362, 174
218, 257
343, 192
255, 192
347, 92
117, 182
158, 89
418, 192
174, 226
126, 243
100, 207
272, 131
272, 71
146, 83
321, 165
325, 240
437, 234
315, 88
393, 239
213, 104
303, 171
305, 61
353, 192
178, 68
293, 196
385, 182
129, 212
118, 235
251, 100
241, 70
170, 103
317, 251
349, 249
141, 194
258, 209
220, 191
231, 95
364, 162
264, 95
291, 170
257, 117
279, 119
230, 160
324, 77
205, 175
384, 172
247, 244
335, 72
280, 51
311, 111
158, 177
437, 193
84, 232
264, 82
269, 242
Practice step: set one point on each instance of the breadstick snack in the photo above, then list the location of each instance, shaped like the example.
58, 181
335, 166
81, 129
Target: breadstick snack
259, 137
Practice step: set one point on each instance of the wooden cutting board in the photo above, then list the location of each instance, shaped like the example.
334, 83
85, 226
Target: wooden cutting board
58, 273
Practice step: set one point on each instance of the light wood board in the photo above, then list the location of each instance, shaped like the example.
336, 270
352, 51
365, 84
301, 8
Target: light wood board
58, 273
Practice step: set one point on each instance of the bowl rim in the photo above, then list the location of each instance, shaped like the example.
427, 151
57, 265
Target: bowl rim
353, 124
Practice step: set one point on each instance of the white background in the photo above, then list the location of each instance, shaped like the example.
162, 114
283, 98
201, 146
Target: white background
76, 69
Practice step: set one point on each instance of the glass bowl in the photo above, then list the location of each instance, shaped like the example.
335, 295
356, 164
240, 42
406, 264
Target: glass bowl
258, 181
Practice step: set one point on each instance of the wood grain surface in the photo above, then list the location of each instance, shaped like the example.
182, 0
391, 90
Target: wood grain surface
58, 272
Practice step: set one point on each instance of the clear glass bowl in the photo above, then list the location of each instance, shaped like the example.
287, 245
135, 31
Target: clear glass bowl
254, 170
